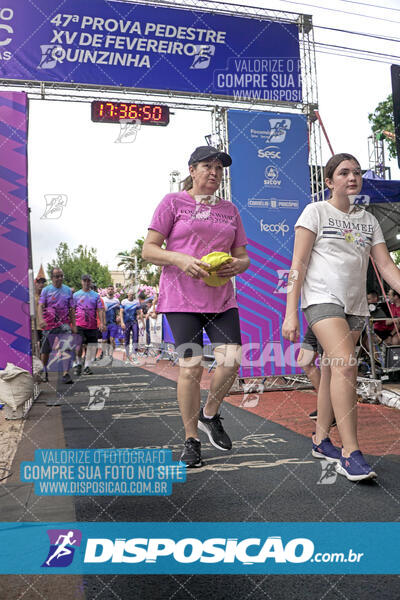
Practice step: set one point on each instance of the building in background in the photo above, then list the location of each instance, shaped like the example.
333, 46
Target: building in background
120, 278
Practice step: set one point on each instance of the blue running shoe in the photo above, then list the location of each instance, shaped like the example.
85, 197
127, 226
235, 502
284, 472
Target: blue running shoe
325, 449
355, 467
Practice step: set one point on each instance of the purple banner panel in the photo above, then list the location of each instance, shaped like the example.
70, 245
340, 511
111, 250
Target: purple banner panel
15, 329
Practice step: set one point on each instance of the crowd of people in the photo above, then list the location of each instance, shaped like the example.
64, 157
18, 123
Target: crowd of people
96, 322
385, 313
199, 240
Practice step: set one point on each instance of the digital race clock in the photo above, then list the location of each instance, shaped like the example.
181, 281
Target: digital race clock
114, 112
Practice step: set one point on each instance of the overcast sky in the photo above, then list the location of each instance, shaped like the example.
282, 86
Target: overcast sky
111, 189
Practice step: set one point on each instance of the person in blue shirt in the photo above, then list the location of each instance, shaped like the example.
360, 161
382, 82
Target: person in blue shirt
129, 324
112, 306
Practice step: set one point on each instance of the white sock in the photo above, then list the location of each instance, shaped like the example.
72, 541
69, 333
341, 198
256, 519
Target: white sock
90, 355
206, 416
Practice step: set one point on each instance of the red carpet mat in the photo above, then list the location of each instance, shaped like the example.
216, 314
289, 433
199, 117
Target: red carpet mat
378, 425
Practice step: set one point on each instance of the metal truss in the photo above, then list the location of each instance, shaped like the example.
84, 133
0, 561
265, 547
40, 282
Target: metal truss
310, 102
376, 156
224, 8
220, 141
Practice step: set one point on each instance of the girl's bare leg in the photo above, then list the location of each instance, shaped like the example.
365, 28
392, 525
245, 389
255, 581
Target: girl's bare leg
338, 342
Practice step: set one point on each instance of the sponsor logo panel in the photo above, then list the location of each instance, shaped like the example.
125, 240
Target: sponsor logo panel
272, 203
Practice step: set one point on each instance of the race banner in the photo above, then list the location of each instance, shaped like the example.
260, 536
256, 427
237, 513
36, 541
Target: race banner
111, 43
15, 328
272, 150
142, 336
156, 330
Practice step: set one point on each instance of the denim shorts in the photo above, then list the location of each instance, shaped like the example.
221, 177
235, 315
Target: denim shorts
318, 312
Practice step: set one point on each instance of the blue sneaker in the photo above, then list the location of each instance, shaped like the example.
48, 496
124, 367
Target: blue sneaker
325, 449
355, 467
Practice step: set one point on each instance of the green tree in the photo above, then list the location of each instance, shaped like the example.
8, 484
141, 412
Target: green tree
396, 257
382, 119
76, 262
147, 273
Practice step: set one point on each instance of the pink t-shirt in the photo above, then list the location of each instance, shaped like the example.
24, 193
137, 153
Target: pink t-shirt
196, 229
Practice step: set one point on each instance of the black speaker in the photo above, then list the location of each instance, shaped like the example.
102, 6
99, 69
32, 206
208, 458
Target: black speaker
392, 357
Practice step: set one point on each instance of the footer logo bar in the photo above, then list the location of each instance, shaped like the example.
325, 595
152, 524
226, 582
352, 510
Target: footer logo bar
200, 548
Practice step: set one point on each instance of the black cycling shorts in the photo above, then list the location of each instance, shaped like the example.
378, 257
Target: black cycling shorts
187, 329
61, 335
89, 336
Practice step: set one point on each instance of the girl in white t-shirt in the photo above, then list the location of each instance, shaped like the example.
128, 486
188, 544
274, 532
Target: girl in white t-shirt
333, 241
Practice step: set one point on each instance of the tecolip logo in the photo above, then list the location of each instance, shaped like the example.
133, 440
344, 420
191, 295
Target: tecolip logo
273, 152
274, 227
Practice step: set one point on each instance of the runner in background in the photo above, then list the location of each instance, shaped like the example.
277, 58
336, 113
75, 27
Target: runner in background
141, 316
88, 310
99, 351
120, 339
112, 306
129, 324
40, 282
57, 319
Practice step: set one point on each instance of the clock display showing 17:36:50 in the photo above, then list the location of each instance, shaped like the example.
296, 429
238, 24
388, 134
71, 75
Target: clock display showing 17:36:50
115, 112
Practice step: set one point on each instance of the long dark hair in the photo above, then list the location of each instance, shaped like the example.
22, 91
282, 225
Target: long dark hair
333, 164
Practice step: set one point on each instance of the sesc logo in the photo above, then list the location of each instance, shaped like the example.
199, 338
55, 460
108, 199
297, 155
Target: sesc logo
272, 152
191, 550
274, 227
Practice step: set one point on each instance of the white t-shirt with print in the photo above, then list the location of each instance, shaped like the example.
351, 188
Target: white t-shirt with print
338, 264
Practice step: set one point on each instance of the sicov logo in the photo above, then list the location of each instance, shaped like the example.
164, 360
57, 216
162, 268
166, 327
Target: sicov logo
190, 550
62, 547
272, 174
274, 227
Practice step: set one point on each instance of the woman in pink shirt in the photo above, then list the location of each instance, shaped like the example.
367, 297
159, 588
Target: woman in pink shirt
196, 222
